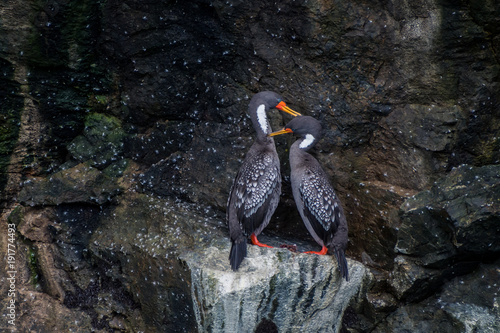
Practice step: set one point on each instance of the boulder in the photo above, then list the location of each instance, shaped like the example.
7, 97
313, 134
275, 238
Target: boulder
297, 292
446, 231
172, 253
458, 218
79, 184
455, 308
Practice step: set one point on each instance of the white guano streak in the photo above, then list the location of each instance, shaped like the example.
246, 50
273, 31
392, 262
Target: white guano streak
309, 139
261, 117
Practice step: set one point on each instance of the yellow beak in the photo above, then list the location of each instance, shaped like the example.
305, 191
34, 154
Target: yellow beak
283, 131
282, 106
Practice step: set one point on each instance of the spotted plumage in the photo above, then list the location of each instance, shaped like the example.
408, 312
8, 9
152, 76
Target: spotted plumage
315, 198
320, 202
256, 189
256, 185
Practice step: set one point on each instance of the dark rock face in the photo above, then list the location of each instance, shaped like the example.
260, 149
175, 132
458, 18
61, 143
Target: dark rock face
447, 310
447, 231
124, 124
447, 219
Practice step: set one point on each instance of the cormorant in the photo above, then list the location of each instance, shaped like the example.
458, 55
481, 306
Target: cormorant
315, 198
256, 189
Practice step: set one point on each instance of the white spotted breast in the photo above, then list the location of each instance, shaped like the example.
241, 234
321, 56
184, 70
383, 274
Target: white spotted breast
319, 199
256, 182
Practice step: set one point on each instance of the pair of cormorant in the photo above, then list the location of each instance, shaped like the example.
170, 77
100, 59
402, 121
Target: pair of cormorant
256, 190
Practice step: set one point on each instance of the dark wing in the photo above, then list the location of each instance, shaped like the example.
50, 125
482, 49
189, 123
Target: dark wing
321, 205
257, 189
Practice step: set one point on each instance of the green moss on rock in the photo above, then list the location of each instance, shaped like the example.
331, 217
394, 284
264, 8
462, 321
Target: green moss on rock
490, 152
33, 266
101, 142
16, 216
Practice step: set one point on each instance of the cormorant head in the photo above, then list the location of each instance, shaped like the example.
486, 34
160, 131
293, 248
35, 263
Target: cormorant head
261, 103
308, 128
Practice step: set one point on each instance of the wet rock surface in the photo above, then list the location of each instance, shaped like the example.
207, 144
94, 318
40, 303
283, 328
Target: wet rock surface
294, 291
123, 124
457, 217
448, 311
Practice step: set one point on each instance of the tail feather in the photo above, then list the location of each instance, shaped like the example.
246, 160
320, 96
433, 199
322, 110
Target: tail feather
341, 260
238, 253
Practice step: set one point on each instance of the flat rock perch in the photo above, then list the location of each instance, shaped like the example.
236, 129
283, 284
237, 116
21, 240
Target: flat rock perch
298, 292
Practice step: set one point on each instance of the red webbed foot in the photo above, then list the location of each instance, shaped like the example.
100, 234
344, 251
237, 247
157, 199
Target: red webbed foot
255, 241
324, 250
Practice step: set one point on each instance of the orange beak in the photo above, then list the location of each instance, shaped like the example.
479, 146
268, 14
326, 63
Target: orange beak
283, 131
282, 106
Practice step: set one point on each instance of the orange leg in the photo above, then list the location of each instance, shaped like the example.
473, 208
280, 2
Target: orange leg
323, 251
255, 241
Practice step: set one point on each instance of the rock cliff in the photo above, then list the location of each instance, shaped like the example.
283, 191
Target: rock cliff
124, 124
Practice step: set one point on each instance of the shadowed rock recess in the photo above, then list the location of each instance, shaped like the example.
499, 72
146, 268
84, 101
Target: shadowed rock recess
123, 124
